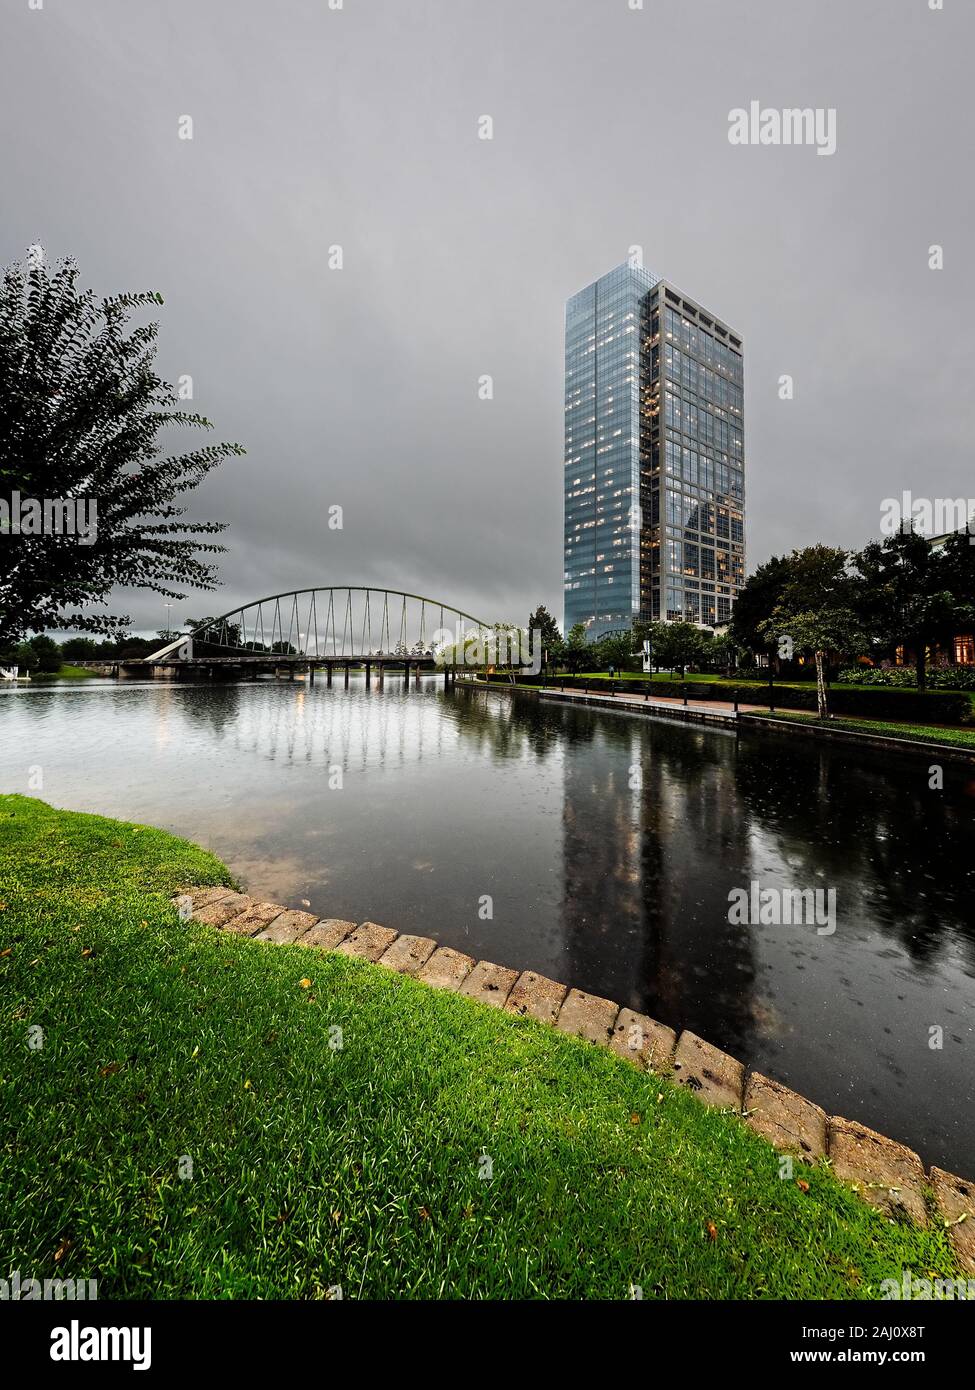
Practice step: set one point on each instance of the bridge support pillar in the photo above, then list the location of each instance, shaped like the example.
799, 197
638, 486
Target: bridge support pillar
406, 673
328, 674
382, 673
368, 675
311, 674
346, 675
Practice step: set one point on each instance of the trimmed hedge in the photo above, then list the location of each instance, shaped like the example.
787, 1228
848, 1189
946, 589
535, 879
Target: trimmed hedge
913, 706
905, 677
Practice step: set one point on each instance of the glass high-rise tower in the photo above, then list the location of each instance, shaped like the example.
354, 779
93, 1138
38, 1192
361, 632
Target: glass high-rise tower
654, 456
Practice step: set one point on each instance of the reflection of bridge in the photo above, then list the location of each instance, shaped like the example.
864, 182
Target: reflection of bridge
305, 629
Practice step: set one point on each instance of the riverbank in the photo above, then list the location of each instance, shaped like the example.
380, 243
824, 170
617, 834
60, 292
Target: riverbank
700, 707
210, 1116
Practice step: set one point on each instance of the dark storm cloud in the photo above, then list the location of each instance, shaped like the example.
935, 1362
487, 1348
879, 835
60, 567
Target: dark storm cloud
359, 387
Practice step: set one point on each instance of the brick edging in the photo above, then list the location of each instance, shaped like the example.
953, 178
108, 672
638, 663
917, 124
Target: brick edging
888, 1175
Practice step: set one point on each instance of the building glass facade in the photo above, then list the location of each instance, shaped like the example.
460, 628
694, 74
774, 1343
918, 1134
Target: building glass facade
654, 457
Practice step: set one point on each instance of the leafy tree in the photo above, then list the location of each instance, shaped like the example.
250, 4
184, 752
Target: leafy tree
41, 653
578, 651
553, 645
614, 650
81, 411
817, 612
678, 645
542, 621
23, 655
958, 567
756, 602
48, 654
80, 649
722, 652
913, 594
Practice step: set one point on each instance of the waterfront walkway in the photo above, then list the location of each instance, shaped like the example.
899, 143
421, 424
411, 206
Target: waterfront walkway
695, 711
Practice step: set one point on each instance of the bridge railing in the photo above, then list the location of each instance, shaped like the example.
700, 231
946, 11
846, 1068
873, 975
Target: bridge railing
340, 622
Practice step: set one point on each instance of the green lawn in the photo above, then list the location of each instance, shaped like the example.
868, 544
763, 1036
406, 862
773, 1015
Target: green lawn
66, 673
925, 733
709, 677
356, 1166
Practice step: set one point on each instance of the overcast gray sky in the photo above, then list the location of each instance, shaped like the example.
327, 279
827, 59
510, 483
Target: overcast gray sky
358, 126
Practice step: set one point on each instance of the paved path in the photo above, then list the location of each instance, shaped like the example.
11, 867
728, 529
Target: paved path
708, 711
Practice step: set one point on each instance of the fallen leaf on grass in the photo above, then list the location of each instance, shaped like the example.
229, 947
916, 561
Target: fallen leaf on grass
712, 1231
62, 1250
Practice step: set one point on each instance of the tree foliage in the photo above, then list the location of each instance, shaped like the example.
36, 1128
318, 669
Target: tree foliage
675, 646
81, 415
756, 602
914, 594
817, 612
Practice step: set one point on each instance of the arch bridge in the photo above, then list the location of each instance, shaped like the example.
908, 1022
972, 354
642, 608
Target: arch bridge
336, 626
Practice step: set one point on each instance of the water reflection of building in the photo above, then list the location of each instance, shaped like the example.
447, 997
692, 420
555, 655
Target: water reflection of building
654, 838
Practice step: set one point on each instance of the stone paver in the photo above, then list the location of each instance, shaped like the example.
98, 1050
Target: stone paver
446, 969
643, 1041
537, 997
787, 1120
215, 914
408, 953
713, 1076
888, 1175
369, 941
956, 1203
287, 927
327, 935
253, 919
587, 1016
489, 983
203, 897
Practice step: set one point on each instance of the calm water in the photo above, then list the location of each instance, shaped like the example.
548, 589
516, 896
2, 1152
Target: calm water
618, 884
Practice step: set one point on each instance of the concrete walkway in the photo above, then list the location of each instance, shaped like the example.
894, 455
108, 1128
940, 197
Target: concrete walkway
699, 711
